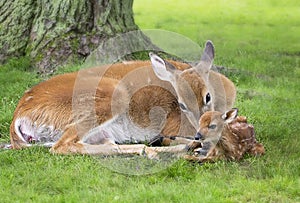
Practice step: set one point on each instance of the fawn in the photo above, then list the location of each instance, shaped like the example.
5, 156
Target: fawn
225, 136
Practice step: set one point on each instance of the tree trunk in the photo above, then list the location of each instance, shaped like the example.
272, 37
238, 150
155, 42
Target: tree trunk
54, 33
15, 26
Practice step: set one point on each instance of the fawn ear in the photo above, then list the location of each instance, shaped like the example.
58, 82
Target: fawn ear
207, 58
162, 69
230, 115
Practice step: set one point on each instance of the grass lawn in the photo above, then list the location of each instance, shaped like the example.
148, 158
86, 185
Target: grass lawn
260, 43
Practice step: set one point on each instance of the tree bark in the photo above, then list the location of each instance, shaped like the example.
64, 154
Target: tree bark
54, 33
16, 19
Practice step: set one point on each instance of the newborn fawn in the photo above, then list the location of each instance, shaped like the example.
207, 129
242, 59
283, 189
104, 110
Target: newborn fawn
225, 136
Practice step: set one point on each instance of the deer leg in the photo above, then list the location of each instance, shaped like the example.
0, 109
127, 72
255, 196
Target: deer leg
200, 159
183, 140
178, 150
210, 156
162, 140
70, 143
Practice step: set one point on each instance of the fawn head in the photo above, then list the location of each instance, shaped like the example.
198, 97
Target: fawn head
212, 123
191, 85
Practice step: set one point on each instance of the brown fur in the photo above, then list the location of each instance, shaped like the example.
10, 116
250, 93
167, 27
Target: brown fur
237, 139
196, 83
63, 102
50, 102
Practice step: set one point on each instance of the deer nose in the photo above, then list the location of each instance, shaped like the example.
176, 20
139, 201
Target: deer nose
198, 136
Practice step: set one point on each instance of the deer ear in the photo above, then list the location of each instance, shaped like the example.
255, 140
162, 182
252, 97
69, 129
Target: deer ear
209, 52
207, 58
230, 115
162, 69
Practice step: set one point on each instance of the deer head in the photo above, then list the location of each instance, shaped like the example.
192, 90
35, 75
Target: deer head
212, 123
192, 88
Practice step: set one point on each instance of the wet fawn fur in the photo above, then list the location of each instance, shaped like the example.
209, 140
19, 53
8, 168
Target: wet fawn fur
222, 142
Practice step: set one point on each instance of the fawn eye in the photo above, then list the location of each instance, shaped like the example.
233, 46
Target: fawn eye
182, 107
207, 98
212, 126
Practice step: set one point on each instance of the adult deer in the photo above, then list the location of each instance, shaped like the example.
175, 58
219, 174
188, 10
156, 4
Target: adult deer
101, 110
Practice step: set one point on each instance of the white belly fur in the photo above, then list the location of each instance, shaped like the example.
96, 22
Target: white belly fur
122, 130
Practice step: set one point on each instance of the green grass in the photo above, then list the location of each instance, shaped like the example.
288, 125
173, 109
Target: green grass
259, 42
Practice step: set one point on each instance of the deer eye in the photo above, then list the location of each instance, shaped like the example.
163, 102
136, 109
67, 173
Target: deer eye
212, 126
182, 107
207, 98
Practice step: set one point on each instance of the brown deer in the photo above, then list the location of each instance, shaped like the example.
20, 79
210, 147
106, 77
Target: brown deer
225, 137
114, 108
